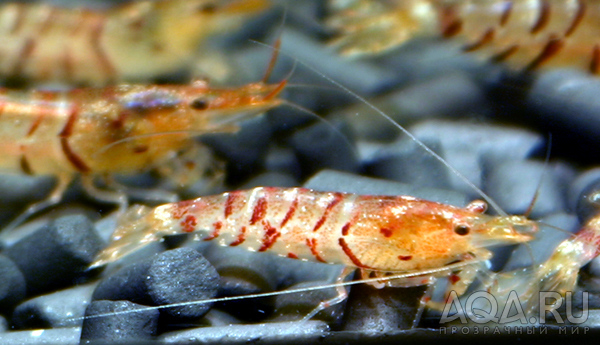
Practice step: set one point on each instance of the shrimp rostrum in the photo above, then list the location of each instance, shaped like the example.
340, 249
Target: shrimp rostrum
122, 129
380, 235
133, 42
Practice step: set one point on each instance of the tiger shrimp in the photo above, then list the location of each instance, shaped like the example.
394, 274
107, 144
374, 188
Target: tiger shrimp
379, 235
526, 34
137, 41
97, 132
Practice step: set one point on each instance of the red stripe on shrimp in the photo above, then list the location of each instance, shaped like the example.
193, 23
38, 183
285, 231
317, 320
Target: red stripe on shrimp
350, 254
312, 244
336, 200
290, 213
271, 235
240, 239
260, 210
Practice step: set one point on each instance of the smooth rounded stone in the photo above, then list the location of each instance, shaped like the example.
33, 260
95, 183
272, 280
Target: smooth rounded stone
469, 147
405, 161
106, 225
337, 181
63, 308
594, 267
244, 150
456, 96
271, 179
12, 285
217, 318
584, 195
175, 276
22, 189
592, 321
513, 185
243, 272
284, 161
585, 297
564, 102
269, 333
426, 58
3, 324
130, 323
545, 242
63, 336
295, 306
323, 146
381, 310
304, 15
57, 254
365, 78
12, 236
446, 95
490, 141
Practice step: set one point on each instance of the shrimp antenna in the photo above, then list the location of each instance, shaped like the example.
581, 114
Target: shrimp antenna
556, 228
544, 171
287, 292
107, 147
276, 49
489, 200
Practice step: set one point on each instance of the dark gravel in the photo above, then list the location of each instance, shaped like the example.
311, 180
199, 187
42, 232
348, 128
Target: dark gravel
57, 254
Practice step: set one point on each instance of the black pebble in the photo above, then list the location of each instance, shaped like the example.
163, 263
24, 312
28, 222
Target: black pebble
177, 275
123, 327
56, 254
323, 146
12, 283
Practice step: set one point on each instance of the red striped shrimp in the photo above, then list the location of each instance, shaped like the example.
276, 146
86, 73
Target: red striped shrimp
524, 33
377, 234
125, 129
137, 41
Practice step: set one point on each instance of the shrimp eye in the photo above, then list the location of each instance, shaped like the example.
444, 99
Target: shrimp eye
461, 230
199, 104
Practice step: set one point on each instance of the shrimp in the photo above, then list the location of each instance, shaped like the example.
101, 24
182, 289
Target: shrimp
376, 234
525, 33
119, 129
134, 42
558, 274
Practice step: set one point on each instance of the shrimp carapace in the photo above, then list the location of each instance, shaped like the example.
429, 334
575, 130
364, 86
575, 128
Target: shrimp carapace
137, 41
527, 34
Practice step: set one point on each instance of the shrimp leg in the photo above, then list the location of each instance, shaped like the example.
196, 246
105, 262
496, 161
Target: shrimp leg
341, 296
63, 181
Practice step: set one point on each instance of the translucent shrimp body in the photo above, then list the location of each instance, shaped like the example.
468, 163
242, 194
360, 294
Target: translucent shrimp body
373, 233
122, 129
133, 42
524, 33
63, 133
560, 272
